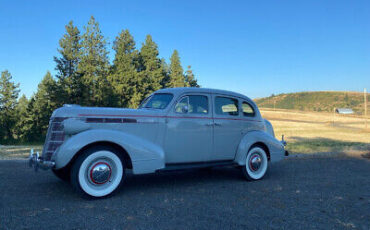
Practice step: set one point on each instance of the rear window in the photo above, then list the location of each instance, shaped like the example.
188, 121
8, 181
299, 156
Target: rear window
248, 110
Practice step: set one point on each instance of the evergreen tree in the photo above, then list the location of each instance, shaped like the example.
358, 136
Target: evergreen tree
94, 66
39, 110
125, 79
151, 70
21, 116
8, 101
166, 73
71, 87
190, 79
176, 76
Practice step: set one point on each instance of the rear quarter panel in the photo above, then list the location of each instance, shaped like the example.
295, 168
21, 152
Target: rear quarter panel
274, 146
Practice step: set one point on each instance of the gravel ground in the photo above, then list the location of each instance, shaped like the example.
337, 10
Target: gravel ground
297, 193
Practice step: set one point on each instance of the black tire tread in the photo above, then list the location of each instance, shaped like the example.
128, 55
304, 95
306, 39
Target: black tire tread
64, 173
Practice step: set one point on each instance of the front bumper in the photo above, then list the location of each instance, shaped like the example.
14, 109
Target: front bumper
36, 162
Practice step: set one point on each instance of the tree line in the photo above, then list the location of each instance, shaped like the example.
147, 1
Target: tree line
85, 76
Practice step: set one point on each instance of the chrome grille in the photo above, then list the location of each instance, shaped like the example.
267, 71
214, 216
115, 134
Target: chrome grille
54, 137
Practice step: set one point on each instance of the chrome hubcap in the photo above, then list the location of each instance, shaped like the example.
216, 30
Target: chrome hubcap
100, 173
255, 162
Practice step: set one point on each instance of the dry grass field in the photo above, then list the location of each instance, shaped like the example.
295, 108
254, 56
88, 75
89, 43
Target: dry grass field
318, 132
305, 132
17, 151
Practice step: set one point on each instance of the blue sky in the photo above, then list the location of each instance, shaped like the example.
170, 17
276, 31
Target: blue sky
253, 47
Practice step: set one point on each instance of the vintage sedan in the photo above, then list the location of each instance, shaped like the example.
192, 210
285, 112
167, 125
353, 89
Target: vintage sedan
172, 129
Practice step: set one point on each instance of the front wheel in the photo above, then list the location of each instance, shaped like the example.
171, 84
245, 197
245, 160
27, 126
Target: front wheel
256, 164
98, 172
63, 174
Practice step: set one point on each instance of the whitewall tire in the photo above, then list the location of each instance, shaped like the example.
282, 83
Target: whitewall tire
98, 172
256, 164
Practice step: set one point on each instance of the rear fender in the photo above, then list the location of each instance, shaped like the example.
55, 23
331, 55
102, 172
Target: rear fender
146, 156
275, 147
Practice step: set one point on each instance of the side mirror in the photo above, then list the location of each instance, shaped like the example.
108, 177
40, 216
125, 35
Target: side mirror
184, 109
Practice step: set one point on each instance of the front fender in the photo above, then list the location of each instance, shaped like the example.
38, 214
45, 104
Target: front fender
146, 156
275, 147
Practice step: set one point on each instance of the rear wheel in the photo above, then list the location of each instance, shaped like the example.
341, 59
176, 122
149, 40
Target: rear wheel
98, 172
256, 164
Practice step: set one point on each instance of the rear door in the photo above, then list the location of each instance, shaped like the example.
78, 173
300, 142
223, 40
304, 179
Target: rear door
227, 127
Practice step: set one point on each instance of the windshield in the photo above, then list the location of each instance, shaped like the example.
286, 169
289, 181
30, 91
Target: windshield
157, 101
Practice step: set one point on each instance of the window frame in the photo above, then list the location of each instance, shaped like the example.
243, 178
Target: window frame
251, 106
228, 97
146, 100
188, 96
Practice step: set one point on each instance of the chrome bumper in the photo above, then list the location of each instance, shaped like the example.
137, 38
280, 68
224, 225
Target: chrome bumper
284, 143
36, 162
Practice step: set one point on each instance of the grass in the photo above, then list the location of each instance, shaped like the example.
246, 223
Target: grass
305, 132
18, 151
316, 101
315, 132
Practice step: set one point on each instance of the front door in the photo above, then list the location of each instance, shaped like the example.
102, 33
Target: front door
189, 130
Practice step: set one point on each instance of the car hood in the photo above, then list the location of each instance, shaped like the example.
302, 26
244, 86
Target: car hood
79, 111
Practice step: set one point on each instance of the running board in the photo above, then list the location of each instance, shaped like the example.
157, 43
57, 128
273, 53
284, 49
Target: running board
191, 165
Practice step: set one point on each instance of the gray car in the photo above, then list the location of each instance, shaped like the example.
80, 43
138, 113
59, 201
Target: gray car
172, 129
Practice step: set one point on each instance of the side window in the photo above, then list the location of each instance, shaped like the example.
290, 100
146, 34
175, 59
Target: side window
248, 110
198, 104
192, 104
182, 105
226, 106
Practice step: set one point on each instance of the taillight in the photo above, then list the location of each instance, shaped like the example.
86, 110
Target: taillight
54, 137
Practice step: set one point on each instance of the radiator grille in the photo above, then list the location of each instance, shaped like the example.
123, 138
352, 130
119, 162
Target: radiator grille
54, 137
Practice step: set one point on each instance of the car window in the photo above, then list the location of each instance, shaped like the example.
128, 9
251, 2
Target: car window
248, 110
226, 106
196, 104
180, 105
158, 101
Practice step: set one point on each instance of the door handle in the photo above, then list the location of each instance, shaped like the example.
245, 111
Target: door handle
217, 124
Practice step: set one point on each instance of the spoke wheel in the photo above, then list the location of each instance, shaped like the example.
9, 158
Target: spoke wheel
256, 164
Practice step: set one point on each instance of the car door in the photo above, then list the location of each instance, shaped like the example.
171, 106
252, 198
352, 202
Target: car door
227, 127
189, 130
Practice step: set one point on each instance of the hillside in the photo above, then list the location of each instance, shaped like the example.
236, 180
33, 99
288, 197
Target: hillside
316, 101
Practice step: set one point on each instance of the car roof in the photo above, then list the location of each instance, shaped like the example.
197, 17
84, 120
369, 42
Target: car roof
181, 90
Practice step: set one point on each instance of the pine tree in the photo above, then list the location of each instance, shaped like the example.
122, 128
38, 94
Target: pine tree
8, 101
71, 87
21, 116
176, 76
190, 79
40, 108
94, 66
151, 70
125, 78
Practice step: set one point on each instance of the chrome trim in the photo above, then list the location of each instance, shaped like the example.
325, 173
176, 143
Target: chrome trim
255, 162
36, 162
100, 173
